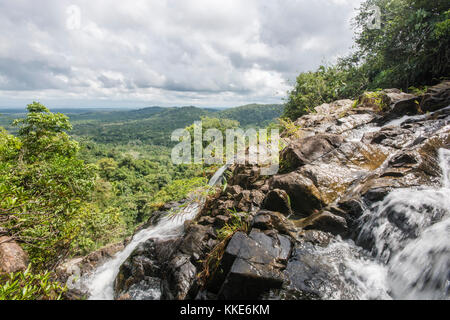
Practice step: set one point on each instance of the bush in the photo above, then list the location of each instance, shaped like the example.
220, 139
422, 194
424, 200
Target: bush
29, 286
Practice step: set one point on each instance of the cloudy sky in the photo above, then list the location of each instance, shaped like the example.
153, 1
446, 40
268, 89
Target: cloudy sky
164, 52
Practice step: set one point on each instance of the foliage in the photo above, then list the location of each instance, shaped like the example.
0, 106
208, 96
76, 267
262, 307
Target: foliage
322, 86
212, 261
175, 191
154, 126
410, 49
29, 286
45, 190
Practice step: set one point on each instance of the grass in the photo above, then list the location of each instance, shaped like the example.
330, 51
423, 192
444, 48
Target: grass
212, 261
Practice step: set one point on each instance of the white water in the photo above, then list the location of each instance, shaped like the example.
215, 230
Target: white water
410, 231
100, 284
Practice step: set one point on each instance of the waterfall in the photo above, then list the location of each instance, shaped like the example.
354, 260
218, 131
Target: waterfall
409, 232
100, 284
407, 236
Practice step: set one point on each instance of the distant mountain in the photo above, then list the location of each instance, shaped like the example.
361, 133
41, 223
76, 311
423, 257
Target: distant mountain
153, 125
258, 115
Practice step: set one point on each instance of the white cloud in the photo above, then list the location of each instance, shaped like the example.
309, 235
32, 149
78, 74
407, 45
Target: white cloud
202, 52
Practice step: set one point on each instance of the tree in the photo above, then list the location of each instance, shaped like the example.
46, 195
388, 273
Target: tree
45, 190
412, 46
410, 49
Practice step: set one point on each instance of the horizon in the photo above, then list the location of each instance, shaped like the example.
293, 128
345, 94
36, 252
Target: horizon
163, 53
121, 108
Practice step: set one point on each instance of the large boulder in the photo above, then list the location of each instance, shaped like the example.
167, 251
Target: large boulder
307, 150
12, 256
436, 97
253, 264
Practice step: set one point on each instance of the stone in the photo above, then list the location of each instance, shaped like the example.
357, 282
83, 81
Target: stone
253, 264
325, 221
271, 220
308, 150
436, 97
278, 200
12, 256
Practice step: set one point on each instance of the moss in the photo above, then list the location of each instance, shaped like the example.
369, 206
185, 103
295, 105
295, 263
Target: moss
378, 101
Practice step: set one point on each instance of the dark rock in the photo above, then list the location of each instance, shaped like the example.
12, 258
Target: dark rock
325, 221
406, 106
437, 97
304, 195
278, 200
307, 150
271, 220
252, 264
221, 221
316, 237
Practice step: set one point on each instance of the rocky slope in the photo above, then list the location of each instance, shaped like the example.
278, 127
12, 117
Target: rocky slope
301, 234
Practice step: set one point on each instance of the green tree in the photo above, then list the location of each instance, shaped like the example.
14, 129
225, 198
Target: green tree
412, 46
45, 189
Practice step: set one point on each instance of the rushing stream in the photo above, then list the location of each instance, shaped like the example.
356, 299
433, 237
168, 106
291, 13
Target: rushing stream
410, 232
100, 284
407, 234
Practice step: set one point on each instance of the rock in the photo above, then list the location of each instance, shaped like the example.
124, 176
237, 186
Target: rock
325, 221
278, 200
12, 256
271, 220
304, 195
143, 265
254, 264
311, 274
436, 97
233, 190
316, 237
409, 106
221, 221
307, 150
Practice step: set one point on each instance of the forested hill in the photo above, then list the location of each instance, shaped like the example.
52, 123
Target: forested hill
154, 125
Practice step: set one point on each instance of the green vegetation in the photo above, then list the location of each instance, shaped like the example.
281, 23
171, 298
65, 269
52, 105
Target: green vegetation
45, 191
30, 286
410, 49
212, 261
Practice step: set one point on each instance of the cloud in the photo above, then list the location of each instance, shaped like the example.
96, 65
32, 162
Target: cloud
203, 52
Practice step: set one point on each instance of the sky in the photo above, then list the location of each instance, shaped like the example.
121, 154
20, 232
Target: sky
108, 53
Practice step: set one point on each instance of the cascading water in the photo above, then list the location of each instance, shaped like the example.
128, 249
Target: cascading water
409, 232
100, 284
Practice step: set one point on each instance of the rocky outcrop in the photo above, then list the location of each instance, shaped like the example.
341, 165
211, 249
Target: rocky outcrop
12, 256
347, 156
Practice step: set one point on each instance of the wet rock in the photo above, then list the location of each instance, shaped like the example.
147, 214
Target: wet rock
254, 264
307, 150
143, 265
304, 195
409, 106
278, 200
271, 220
311, 274
325, 221
316, 237
437, 97
12, 256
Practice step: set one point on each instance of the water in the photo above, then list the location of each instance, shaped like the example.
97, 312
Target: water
408, 254
100, 284
409, 232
